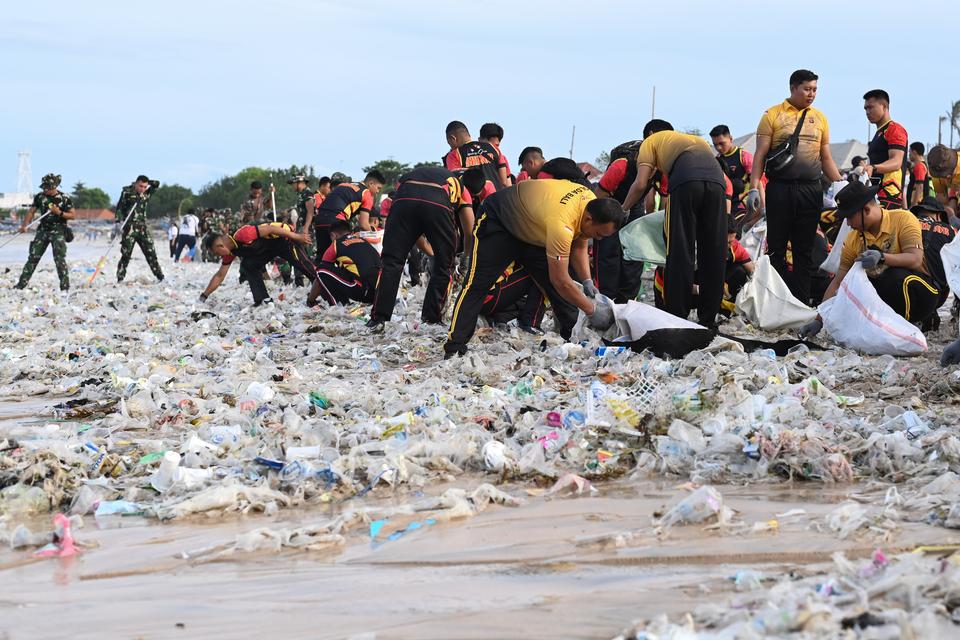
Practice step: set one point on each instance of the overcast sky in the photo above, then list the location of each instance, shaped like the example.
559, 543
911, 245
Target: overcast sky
189, 91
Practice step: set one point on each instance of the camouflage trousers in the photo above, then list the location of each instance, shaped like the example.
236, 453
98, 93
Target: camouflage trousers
47, 234
137, 235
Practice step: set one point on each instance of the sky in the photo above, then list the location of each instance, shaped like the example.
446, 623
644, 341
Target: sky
187, 92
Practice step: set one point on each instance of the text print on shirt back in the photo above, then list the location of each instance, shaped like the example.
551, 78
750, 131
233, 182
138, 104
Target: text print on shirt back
568, 196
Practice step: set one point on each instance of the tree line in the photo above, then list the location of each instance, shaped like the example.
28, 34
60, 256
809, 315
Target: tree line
230, 191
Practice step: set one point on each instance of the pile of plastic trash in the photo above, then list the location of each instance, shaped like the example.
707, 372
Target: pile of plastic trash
913, 595
168, 408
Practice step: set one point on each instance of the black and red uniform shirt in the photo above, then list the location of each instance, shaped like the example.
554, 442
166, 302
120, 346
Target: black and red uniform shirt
356, 255
478, 155
247, 241
454, 196
737, 165
890, 136
345, 201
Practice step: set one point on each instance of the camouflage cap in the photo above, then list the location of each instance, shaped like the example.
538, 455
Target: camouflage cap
297, 178
50, 181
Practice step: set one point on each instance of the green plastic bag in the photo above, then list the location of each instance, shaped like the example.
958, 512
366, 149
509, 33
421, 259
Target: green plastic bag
642, 239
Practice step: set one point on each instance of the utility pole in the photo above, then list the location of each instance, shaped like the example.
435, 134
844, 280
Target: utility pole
940, 129
653, 103
572, 138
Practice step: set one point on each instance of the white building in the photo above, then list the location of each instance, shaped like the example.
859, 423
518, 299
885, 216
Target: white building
14, 200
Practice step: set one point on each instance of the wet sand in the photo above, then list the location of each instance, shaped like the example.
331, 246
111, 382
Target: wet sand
547, 569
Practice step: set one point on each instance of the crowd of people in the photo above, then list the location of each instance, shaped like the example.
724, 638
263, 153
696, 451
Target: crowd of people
547, 239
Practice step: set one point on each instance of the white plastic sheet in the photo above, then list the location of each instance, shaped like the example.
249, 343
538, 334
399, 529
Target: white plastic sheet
766, 302
858, 319
950, 254
635, 319
832, 263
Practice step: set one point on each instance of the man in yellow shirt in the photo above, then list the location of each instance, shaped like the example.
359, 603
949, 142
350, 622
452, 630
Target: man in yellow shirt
943, 164
889, 245
695, 225
794, 196
543, 225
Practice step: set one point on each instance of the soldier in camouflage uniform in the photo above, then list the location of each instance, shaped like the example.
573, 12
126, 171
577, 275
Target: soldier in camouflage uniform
254, 208
134, 198
56, 208
207, 226
231, 221
305, 205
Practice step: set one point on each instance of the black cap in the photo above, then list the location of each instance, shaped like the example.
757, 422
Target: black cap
854, 197
930, 205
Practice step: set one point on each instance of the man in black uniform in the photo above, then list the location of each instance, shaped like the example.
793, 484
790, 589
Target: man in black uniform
257, 245
429, 201
737, 163
346, 201
349, 268
466, 153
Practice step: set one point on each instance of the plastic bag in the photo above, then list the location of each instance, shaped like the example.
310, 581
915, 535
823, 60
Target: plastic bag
702, 505
832, 263
636, 319
643, 327
642, 240
950, 254
754, 240
766, 301
858, 319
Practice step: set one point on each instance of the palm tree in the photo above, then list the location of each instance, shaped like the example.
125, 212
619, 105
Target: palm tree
954, 116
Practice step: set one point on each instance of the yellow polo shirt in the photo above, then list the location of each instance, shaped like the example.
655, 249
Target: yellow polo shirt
899, 230
780, 121
544, 213
681, 157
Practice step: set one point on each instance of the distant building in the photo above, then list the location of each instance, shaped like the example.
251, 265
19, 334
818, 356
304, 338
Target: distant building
590, 172
14, 200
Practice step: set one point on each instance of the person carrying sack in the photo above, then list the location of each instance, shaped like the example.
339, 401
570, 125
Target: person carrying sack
889, 245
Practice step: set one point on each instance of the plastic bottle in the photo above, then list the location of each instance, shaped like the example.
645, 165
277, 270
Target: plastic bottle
220, 434
303, 453
611, 351
299, 471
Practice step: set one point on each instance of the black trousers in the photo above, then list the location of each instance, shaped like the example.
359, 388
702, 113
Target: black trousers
321, 234
695, 230
735, 278
912, 294
415, 264
515, 297
493, 250
340, 286
418, 211
183, 240
251, 267
793, 213
616, 278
